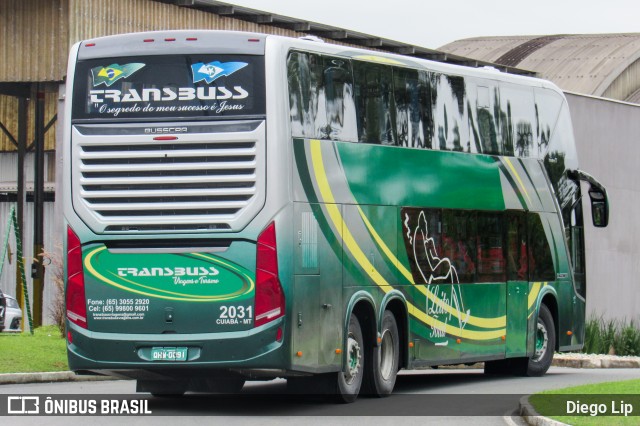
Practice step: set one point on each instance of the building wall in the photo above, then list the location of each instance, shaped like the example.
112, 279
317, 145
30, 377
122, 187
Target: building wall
625, 85
33, 40
607, 134
95, 18
36, 35
9, 117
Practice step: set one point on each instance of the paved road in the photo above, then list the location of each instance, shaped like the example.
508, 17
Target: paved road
449, 393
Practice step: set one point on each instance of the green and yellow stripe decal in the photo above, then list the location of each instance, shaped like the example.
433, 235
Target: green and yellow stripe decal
498, 324
338, 221
523, 188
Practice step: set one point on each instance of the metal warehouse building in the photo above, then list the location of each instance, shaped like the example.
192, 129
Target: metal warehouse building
603, 65
35, 37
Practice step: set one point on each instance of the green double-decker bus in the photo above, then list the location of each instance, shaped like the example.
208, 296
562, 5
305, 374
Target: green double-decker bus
241, 206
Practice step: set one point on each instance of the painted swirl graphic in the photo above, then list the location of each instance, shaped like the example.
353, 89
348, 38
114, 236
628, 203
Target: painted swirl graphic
188, 277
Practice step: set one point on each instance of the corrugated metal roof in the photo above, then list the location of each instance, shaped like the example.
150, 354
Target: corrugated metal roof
297, 27
634, 97
583, 63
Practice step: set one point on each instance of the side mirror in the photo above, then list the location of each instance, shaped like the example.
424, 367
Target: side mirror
598, 195
599, 208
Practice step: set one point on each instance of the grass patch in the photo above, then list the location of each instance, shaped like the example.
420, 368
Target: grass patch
599, 391
26, 353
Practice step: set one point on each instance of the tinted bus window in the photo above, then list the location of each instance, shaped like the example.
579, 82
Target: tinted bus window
321, 100
375, 103
449, 111
517, 250
174, 86
491, 263
303, 75
413, 108
540, 260
458, 242
422, 238
520, 130
337, 96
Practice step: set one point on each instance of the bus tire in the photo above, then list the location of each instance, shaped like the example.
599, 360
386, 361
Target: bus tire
544, 344
350, 379
382, 371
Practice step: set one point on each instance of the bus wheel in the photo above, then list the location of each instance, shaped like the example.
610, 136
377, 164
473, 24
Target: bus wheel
545, 343
383, 369
350, 380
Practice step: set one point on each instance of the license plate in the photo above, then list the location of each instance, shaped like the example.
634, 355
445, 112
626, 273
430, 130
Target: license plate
168, 354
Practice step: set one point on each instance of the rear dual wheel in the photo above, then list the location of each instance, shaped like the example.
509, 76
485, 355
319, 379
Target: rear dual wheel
385, 358
345, 385
370, 368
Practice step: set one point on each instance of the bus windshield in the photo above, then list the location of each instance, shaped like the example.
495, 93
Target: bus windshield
169, 86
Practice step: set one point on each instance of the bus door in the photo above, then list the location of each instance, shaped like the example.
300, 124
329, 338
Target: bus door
517, 258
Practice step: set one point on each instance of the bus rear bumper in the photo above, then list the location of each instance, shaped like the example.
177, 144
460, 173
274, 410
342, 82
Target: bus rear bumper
130, 355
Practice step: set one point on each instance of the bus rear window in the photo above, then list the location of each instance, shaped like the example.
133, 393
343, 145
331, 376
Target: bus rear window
176, 86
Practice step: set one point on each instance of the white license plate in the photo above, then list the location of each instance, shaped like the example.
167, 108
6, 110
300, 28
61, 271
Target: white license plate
168, 354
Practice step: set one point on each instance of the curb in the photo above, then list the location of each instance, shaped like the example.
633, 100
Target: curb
572, 361
48, 377
531, 416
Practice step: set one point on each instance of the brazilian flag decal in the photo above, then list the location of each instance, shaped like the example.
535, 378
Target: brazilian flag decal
112, 73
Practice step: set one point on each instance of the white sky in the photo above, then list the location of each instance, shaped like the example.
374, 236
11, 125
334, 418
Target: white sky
433, 23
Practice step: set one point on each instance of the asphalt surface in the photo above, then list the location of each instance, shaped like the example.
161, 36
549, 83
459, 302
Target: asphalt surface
524, 415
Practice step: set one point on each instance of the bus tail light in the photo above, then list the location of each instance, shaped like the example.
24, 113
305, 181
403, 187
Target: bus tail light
76, 302
269, 302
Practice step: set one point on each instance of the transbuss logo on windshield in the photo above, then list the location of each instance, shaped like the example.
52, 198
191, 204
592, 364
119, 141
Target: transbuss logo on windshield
213, 70
207, 72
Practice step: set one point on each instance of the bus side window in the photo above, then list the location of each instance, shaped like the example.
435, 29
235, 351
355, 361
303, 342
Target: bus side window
375, 103
339, 105
458, 242
517, 249
413, 104
540, 261
423, 241
491, 262
519, 125
303, 82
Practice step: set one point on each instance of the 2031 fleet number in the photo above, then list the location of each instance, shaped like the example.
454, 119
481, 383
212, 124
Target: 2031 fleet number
235, 315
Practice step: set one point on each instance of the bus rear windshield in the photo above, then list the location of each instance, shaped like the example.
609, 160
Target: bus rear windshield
170, 86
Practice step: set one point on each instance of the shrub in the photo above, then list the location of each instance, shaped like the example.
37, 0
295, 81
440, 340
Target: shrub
611, 337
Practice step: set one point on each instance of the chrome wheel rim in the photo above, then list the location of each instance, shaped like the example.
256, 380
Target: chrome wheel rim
353, 361
542, 341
